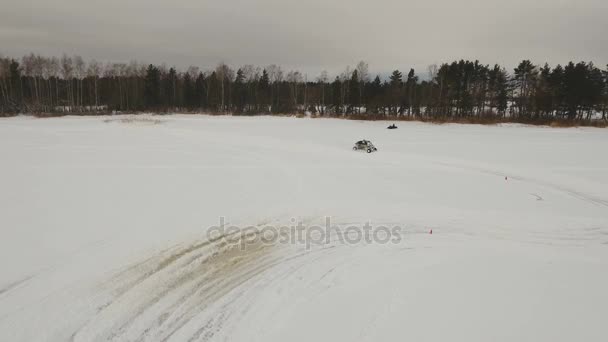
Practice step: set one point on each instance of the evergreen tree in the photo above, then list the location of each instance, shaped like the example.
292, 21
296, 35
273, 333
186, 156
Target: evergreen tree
524, 79
200, 91
604, 103
239, 91
410, 85
558, 89
354, 93
336, 88
264, 92
152, 98
214, 92
189, 94
457, 89
543, 101
396, 78
169, 88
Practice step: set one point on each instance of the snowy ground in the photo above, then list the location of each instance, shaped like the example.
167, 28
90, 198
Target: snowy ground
103, 227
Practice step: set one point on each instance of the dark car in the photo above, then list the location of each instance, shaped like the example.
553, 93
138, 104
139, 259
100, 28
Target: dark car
365, 145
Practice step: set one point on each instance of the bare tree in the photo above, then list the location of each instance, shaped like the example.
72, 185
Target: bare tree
193, 71
79, 72
120, 70
54, 67
322, 80
252, 75
275, 74
225, 76
345, 79
27, 63
4, 74
432, 70
47, 73
132, 73
67, 70
94, 72
294, 78
37, 62
363, 73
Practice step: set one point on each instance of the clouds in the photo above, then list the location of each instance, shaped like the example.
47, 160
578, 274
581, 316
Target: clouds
310, 35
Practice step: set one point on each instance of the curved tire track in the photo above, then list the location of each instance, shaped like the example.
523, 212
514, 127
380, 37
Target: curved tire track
207, 283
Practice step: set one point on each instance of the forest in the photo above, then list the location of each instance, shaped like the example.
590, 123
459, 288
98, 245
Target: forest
462, 89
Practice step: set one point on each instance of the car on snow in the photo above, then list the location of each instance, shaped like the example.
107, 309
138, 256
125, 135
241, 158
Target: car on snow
365, 145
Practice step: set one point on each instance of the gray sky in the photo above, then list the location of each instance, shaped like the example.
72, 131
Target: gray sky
310, 35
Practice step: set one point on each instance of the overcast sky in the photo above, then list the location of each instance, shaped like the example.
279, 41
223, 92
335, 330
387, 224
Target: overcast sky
310, 35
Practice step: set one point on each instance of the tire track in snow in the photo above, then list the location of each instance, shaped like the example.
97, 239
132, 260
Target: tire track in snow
157, 298
239, 303
14, 285
571, 192
148, 302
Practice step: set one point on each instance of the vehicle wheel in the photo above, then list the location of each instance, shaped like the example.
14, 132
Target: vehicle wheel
369, 151
355, 148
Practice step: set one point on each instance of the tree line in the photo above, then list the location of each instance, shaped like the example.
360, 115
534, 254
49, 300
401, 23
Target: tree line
460, 89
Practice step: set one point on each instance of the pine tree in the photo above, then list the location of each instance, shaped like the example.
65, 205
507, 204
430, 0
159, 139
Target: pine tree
396, 78
16, 85
524, 78
188, 89
543, 100
264, 80
558, 89
374, 95
200, 91
410, 84
239, 91
605, 94
354, 93
336, 88
264, 91
152, 98
501, 90
213, 92
169, 88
